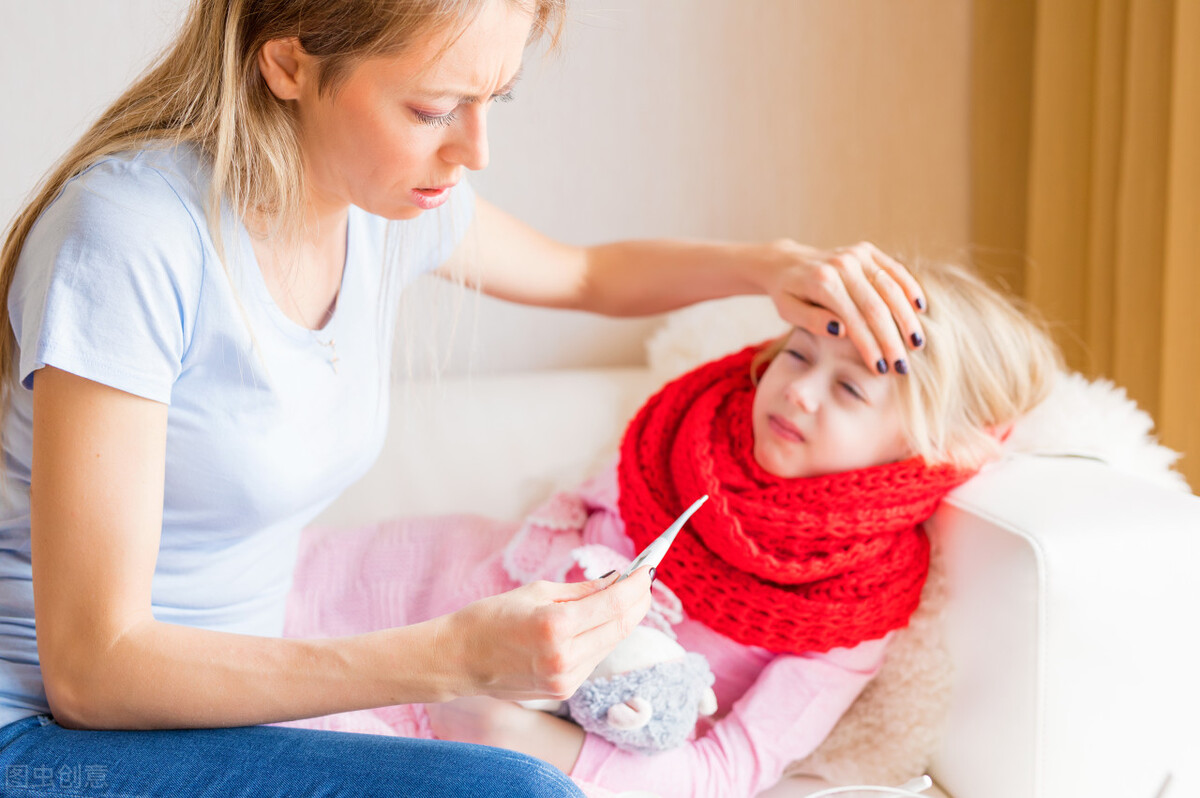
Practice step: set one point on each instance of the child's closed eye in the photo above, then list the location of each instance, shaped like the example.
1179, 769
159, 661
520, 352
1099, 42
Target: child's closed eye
854, 391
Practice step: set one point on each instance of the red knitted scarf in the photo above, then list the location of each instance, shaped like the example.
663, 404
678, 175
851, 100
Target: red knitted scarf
791, 565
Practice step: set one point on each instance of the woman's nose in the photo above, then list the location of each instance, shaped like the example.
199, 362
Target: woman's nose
468, 144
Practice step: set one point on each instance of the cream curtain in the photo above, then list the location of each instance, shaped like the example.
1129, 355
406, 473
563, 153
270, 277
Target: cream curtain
1086, 187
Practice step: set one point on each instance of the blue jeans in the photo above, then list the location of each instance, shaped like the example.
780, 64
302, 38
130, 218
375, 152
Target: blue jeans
40, 758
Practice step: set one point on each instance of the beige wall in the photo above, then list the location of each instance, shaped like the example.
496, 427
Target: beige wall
826, 120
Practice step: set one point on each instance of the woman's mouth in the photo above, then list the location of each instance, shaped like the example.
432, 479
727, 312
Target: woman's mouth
430, 198
785, 430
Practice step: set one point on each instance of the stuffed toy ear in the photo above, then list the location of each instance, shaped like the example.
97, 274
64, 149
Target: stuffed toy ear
632, 714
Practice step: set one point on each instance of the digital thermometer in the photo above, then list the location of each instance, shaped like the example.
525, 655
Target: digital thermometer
654, 553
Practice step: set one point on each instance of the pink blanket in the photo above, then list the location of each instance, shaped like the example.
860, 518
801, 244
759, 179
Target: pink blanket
349, 581
772, 709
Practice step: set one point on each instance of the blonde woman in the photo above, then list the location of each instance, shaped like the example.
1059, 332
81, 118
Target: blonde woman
200, 298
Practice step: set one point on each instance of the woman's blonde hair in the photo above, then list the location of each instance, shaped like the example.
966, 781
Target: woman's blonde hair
987, 360
205, 89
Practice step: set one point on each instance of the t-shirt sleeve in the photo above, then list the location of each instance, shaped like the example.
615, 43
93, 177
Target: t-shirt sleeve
108, 281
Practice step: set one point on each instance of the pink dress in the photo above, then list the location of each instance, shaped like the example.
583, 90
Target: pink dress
772, 709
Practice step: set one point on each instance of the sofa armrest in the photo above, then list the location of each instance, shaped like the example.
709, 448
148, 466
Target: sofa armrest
1072, 620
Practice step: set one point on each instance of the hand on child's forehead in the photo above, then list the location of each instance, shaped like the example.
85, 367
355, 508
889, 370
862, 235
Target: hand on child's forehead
840, 349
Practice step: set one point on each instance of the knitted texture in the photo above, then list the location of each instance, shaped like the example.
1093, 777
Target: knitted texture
790, 565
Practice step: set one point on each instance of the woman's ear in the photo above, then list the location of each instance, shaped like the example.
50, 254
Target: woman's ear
284, 66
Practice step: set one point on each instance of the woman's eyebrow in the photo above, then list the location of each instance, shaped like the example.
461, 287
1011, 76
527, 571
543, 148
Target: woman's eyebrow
467, 99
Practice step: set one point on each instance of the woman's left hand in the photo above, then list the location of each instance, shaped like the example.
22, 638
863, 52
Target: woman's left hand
503, 724
858, 291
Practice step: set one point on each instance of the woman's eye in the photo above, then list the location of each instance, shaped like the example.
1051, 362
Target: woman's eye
434, 120
797, 355
853, 390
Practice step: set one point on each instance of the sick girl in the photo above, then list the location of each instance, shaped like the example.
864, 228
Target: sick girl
810, 552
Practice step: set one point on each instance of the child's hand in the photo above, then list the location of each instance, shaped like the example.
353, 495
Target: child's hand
481, 720
503, 724
541, 640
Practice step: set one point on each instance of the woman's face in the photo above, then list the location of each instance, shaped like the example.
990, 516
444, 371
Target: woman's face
818, 410
401, 130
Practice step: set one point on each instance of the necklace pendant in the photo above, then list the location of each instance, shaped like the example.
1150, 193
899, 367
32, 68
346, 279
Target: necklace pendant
331, 356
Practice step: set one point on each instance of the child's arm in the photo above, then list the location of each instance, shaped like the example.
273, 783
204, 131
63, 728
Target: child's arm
783, 717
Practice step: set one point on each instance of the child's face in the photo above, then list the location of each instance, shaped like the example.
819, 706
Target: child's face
818, 410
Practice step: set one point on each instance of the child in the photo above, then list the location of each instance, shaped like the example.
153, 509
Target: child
810, 551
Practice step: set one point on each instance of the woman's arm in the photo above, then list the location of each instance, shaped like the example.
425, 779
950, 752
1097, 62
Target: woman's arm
96, 515
871, 296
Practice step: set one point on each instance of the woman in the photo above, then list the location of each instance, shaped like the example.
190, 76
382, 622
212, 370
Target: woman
200, 312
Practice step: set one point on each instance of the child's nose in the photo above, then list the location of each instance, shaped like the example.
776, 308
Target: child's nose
803, 394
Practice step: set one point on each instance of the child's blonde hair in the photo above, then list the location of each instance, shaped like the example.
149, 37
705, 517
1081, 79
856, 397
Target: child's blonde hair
987, 360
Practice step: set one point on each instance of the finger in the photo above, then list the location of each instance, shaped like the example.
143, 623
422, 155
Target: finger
814, 318
879, 321
830, 291
596, 643
574, 591
913, 294
617, 602
902, 313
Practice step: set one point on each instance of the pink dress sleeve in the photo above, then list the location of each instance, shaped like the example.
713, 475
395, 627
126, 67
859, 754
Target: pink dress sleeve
785, 714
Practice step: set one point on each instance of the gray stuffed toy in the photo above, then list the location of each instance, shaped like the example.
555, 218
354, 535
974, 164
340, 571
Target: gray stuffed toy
645, 696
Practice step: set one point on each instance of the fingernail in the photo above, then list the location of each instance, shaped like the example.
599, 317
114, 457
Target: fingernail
610, 573
833, 327
881, 366
920, 303
917, 339
653, 572
901, 367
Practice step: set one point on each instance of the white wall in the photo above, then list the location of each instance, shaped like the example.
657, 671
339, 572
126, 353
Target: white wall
61, 63
826, 120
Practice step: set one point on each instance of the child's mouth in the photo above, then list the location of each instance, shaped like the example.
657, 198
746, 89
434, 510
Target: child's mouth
785, 430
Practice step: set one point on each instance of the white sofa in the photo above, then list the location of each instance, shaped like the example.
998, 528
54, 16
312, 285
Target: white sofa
1072, 615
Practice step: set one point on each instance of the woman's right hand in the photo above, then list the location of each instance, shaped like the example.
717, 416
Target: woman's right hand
542, 640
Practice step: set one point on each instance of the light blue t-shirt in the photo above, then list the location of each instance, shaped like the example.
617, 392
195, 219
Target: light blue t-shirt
120, 282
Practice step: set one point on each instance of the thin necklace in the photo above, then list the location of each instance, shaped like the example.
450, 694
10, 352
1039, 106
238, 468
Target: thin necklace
331, 355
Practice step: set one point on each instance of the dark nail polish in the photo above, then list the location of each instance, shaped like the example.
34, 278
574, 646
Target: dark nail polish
901, 367
920, 303
833, 327
881, 366
610, 573
917, 339
653, 572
